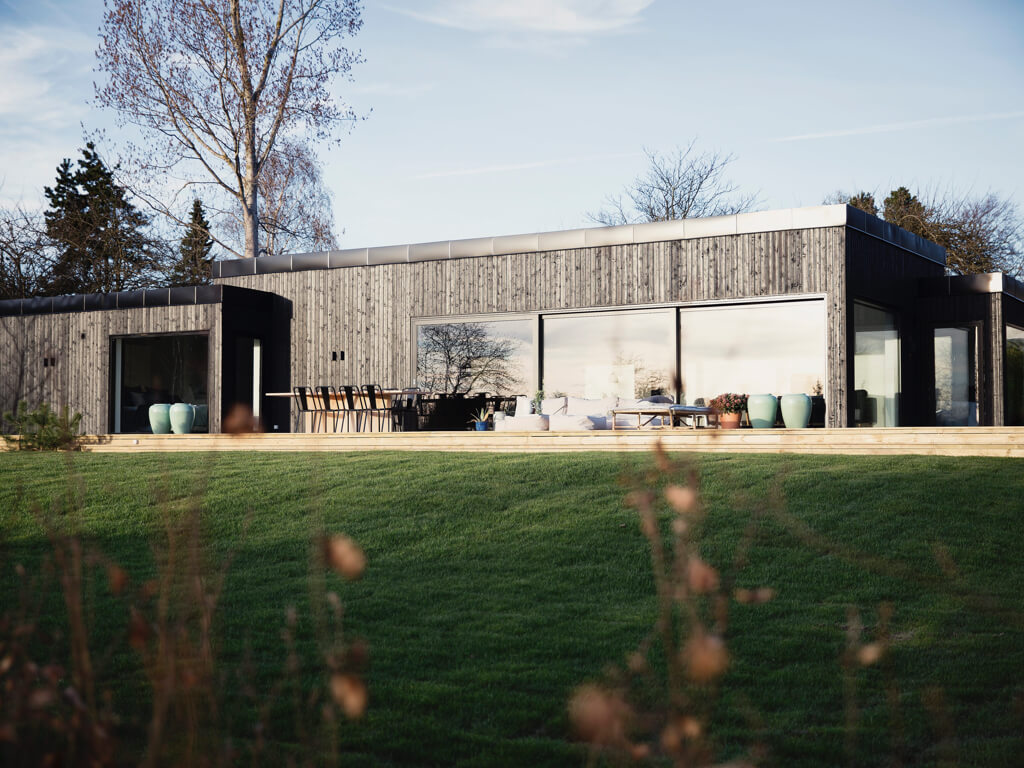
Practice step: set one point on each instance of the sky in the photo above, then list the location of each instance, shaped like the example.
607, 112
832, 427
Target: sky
492, 117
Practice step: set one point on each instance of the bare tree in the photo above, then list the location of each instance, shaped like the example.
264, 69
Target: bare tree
296, 211
219, 83
980, 233
25, 260
463, 357
681, 185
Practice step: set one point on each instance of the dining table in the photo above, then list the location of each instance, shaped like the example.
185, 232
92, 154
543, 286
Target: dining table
335, 420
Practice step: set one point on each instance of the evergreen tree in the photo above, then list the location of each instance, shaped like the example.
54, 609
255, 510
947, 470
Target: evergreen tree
904, 210
99, 237
865, 201
193, 264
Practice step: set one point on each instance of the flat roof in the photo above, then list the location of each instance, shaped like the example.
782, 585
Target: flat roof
814, 217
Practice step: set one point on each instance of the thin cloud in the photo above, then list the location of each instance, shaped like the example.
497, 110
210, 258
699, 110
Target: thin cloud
485, 169
904, 126
563, 17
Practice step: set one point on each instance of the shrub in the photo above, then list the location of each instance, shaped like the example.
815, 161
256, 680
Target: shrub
729, 403
43, 429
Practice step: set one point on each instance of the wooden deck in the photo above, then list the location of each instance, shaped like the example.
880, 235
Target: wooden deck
931, 441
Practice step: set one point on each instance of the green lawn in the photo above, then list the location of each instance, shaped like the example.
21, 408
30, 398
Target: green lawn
497, 583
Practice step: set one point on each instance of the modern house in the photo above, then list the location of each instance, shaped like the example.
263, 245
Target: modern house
825, 300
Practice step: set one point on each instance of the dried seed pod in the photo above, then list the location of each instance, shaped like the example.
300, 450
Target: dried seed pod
705, 657
344, 556
350, 694
869, 654
117, 578
598, 716
681, 498
701, 577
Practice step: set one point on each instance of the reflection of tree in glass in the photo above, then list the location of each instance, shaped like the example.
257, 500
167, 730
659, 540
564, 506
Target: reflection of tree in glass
645, 379
463, 357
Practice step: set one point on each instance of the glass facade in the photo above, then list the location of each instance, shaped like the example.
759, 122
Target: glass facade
876, 367
776, 348
623, 354
494, 356
159, 369
1013, 367
956, 377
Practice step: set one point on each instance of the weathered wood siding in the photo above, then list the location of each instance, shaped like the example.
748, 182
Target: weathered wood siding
80, 344
367, 311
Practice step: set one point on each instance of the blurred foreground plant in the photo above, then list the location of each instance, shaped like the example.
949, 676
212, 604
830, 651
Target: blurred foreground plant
58, 708
660, 706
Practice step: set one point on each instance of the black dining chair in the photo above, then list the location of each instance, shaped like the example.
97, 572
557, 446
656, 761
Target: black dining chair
377, 404
405, 410
307, 403
329, 404
351, 406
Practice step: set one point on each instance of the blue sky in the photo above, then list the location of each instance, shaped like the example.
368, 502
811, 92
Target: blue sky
488, 117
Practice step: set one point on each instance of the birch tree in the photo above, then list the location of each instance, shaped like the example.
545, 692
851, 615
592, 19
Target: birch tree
219, 83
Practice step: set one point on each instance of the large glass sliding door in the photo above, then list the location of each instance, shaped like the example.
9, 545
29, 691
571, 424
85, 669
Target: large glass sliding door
158, 369
1013, 379
956, 377
876, 367
629, 354
773, 348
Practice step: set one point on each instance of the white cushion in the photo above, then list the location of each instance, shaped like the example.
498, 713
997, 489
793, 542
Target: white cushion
524, 406
577, 423
552, 406
581, 406
534, 422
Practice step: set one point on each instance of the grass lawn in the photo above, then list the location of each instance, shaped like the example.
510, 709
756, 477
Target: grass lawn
497, 583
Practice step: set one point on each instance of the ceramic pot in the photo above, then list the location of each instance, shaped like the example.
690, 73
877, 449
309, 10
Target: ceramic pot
796, 411
729, 420
481, 426
159, 418
762, 410
183, 416
202, 417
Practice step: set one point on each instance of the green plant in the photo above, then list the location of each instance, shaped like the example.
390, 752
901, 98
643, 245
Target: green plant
42, 429
482, 415
537, 399
729, 402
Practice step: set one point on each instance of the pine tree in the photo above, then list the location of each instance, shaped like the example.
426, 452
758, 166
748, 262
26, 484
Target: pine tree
193, 265
99, 237
904, 210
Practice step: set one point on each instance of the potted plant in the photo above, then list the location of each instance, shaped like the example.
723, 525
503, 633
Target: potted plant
480, 419
729, 406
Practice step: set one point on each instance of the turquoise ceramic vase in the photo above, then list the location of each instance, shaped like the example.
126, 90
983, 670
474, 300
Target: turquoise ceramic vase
183, 416
159, 418
796, 411
761, 409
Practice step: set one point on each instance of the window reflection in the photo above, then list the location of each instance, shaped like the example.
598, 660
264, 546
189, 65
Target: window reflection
159, 369
776, 348
876, 367
1013, 367
956, 398
493, 356
623, 354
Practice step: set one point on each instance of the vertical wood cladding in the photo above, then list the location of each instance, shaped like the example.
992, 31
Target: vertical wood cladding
79, 342
367, 311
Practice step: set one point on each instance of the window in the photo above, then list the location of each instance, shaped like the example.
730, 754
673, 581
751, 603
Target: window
493, 356
607, 354
159, 369
876, 367
774, 348
956, 377
1013, 367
